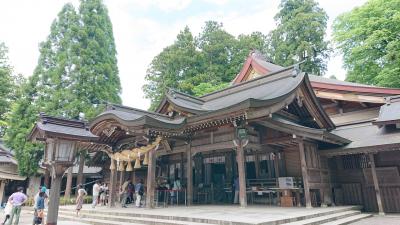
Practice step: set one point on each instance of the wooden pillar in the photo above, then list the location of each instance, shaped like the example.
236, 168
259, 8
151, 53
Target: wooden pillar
2, 186
257, 165
304, 171
242, 174
376, 184
121, 178
276, 164
79, 179
189, 171
133, 177
151, 177
52, 215
112, 187
47, 178
67, 193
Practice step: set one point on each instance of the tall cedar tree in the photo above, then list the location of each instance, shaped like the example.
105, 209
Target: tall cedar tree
6, 86
301, 27
368, 37
201, 64
76, 71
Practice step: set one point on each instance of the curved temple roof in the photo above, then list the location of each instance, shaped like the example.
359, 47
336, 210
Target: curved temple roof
260, 92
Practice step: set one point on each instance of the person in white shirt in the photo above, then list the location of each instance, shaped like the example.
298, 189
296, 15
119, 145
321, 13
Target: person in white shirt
96, 193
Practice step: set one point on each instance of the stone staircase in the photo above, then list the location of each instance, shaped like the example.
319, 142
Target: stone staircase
334, 217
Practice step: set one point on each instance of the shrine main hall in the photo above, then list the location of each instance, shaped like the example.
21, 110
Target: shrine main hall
285, 137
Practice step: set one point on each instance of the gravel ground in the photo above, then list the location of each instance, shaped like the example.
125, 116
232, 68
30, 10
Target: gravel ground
390, 219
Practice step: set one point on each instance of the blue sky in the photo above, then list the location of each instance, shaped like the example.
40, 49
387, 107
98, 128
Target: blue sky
142, 28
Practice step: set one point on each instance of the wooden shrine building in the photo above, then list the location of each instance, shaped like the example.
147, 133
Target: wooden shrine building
286, 137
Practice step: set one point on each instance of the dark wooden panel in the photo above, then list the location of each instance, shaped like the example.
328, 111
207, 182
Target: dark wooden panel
292, 162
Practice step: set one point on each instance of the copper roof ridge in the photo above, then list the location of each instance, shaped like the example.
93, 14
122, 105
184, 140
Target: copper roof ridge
184, 94
136, 109
252, 81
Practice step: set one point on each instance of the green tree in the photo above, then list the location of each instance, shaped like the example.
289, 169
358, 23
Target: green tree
201, 64
98, 78
6, 86
76, 71
301, 27
368, 37
172, 68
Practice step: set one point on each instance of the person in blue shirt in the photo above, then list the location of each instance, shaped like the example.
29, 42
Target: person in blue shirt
139, 189
39, 208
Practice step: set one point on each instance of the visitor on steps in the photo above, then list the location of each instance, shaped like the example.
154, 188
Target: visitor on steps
79, 200
96, 194
139, 190
17, 199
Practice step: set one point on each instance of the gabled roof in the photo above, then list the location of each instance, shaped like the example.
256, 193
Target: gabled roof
56, 126
6, 156
280, 87
264, 66
390, 112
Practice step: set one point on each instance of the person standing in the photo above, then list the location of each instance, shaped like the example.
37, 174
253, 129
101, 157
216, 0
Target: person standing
124, 193
96, 193
18, 198
39, 209
139, 189
79, 200
236, 190
103, 194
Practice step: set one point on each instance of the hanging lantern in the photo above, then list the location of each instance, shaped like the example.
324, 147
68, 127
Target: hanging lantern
146, 159
121, 166
137, 163
112, 165
129, 167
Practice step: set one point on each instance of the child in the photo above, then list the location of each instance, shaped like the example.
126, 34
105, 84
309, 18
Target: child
7, 212
80, 198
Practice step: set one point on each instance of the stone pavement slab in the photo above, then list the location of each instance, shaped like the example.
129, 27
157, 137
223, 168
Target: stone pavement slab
389, 219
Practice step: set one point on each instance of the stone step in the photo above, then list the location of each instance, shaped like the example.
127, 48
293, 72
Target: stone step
93, 221
349, 220
130, 219
204, 220
326, 218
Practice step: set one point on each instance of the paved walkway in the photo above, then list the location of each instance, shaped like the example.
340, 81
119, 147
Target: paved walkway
26, 218
389, 219
250, 214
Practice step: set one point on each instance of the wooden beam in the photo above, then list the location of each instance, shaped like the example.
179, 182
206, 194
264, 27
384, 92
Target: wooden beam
279, 140
349, 97
304, 172
151, 177
189, 174
376, 184
242, 174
